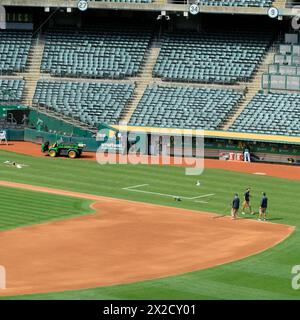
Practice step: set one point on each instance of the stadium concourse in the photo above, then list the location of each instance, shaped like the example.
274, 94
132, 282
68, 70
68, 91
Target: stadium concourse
272, 170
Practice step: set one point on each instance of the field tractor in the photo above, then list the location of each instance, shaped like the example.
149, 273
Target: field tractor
71, 150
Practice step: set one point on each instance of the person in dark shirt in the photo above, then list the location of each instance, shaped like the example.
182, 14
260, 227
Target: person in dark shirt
263, 207
235, 206
246, 203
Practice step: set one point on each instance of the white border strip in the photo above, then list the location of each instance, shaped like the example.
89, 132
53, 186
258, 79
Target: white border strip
133, 188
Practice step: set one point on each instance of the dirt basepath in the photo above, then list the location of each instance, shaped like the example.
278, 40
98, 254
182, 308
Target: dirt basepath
123, 242
274, 170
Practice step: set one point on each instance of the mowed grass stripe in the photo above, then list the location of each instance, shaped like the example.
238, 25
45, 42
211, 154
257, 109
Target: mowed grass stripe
51, 211
23, 207
40, 198
48, 204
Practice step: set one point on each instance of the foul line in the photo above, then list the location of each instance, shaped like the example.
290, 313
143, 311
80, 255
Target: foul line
133, 188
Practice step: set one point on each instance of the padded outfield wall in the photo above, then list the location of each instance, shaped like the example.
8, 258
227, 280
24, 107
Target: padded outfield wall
43, 122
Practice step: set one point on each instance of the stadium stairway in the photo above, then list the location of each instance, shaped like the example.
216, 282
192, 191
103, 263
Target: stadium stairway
66, 119
143, 79
252, 88
146, 77
32, 73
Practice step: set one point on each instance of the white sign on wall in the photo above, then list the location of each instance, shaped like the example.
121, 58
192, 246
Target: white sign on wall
82, 5
273, 12
194, 9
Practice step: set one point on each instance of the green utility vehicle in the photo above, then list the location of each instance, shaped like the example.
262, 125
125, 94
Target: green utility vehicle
71, 150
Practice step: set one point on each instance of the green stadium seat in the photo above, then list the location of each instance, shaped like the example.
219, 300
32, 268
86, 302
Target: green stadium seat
14, 50
214, 57
184, 107
270, 113
91, 102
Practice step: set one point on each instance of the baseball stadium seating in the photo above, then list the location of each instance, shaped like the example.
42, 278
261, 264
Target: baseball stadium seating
94, 53
14, 49
213, 57
11, 90
284, 72
271, 113
89, 102
237, 3
184, 107
127, 1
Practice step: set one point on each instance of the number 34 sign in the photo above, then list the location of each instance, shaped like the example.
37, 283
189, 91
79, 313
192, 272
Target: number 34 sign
194, 9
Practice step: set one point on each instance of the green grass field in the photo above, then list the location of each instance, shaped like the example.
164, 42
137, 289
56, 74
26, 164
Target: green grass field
21, 207
263, 276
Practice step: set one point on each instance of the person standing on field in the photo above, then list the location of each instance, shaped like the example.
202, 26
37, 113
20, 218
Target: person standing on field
235, 206
246, 152
246, 203
263, 207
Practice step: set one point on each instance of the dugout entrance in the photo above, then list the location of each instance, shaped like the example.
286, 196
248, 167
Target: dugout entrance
215, 144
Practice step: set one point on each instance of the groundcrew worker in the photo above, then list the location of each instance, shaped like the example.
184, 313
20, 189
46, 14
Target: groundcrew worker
263, 207
246, 203
235, 206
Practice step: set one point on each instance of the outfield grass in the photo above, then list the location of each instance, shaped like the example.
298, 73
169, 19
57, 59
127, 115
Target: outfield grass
263, 276
21, 207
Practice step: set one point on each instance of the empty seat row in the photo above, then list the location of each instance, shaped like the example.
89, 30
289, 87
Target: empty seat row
14, 50
271, 113
11, 90
237, 3
127, 1
213, 57
89, 102
284, 72
184, 107
92, 53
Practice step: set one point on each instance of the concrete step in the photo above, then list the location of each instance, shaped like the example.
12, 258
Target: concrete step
65, 118
142, 80
32, 74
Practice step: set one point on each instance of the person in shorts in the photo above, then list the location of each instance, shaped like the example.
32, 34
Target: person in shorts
263, 207
235, 206
246, 203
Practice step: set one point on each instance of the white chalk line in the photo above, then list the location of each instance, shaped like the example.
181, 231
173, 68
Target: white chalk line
203, 196
137, 186
133, 188
199, 201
